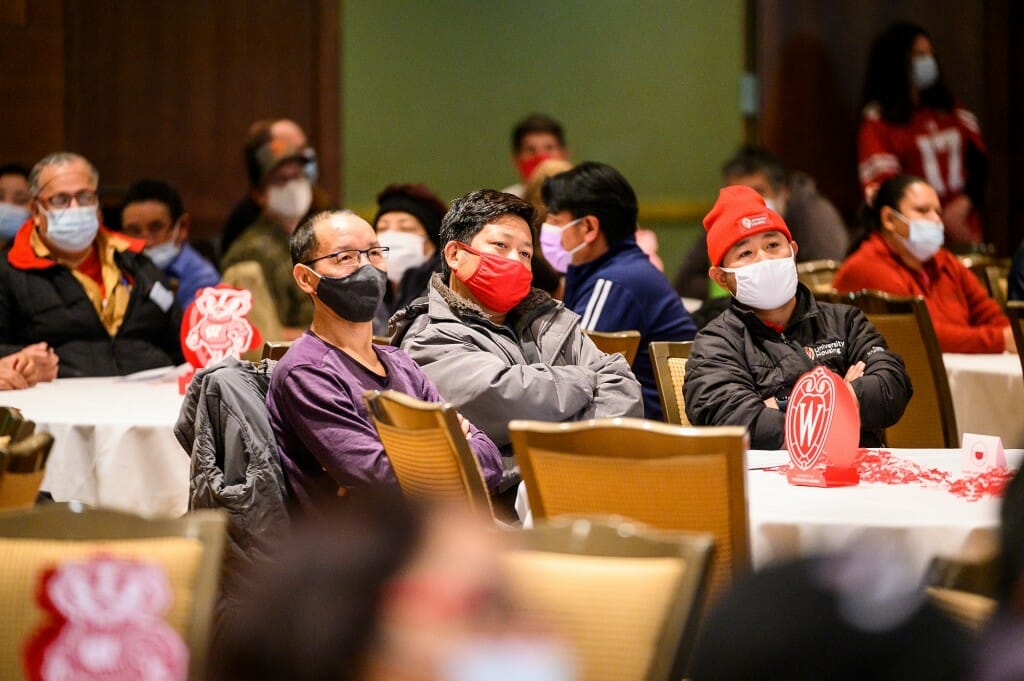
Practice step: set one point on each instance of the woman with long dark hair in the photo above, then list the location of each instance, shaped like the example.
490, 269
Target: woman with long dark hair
902, 254
912, 124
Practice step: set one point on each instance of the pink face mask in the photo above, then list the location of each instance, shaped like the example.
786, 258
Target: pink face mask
551, 245
498, 283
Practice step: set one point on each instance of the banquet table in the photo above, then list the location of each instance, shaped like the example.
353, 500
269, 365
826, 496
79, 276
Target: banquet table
114, 443
927, 521
988, 395
787, 521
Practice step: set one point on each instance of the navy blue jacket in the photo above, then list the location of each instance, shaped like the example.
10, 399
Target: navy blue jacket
621, 290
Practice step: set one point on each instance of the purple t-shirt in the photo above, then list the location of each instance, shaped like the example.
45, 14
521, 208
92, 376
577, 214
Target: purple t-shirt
323, 430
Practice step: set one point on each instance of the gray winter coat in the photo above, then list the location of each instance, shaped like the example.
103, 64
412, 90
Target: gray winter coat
223, 426
539, 365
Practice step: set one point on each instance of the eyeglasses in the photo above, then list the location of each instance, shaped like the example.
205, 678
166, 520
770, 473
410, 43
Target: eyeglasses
349, 258
86, 197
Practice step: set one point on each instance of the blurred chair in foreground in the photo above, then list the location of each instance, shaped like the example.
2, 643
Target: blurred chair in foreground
22, 465
626, 598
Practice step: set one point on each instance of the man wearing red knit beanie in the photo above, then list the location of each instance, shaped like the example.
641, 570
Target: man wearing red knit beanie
744, 363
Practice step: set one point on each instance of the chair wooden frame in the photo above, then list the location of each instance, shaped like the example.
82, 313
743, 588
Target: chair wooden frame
877, 306
615, 537
400, 421
817, 275
669, 391
22, 464
275, 349
626, 343
1015, 311
76, 522
626, 440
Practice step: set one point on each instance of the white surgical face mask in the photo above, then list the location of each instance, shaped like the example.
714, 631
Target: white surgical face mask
924, 71
925, 239
164, 254
510, 659
406, 252
773, 205
72, 229
765, 285
290, 200
551, 245
12, 217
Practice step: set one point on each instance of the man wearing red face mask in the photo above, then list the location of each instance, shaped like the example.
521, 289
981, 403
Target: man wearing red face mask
497, 348
535, 139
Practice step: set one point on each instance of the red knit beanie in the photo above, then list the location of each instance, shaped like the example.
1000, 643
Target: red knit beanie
738, 213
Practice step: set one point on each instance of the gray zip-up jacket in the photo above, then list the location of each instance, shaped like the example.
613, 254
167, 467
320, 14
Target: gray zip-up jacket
538, 365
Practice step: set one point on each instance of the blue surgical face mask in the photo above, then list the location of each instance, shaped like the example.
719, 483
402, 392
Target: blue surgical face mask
925, 239
12, 217
72, 229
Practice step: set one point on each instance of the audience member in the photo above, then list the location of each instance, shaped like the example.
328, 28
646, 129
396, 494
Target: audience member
912, 124
284, 196
744, 363
498, 349
247, 211
408, 222
14, 200
1015, 279
610, 282
152, 211
326, 438
813, 220
385, 589
535, 139
87, 292
847, 617
28, 366
902, 254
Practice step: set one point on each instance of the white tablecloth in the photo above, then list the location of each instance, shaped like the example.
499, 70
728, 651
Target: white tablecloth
988, 395
788, 521
114, 444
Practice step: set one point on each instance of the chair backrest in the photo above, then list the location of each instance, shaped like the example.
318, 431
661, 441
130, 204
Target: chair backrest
275, 349
624, 342
428, 451
626, 599
669, 477
929, 420
817, 275
669, 361
11, 421
24, 464
187, 549
970, 610
248, 275
1015, 311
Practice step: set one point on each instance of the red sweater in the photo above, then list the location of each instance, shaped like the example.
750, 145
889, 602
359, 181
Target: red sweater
966, 319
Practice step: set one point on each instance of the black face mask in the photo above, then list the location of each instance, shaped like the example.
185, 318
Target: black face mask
354, 297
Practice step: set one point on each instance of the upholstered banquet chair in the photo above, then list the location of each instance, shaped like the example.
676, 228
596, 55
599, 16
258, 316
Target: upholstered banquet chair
625, 598
166, 572
22, 465
929, 420
817, 275
669, 361
275, 349
428, 451
625, 343
669, 477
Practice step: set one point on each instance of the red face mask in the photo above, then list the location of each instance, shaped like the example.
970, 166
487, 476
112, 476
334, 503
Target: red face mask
498, 283
527, 165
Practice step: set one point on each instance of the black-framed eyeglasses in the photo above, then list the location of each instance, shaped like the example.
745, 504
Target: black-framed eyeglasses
86, 197
349, 258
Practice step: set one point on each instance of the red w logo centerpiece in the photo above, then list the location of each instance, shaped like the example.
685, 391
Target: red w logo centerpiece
822, 431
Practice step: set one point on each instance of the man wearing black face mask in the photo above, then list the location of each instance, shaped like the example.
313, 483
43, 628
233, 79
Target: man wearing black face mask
324, 433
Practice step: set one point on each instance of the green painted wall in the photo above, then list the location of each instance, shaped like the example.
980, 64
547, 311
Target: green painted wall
432, 89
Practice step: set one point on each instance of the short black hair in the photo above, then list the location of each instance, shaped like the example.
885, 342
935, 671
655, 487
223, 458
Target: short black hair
303, 244
471, 212
596, 189
750, 159
155, 190
14, 169
536, 123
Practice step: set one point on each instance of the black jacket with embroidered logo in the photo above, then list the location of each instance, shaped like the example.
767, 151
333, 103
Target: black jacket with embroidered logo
40, 300
737, 362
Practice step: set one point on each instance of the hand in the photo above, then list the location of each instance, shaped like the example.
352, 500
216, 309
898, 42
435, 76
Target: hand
464, 423
772, 403
1009, 342
852, 374
954, 218
45, 360
11, 379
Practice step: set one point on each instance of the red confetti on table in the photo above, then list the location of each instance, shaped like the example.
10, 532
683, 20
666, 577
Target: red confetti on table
880, 467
